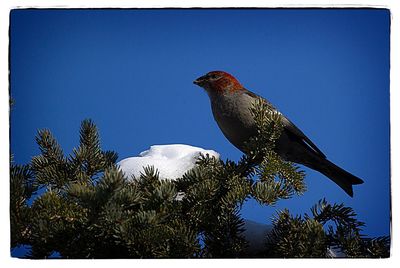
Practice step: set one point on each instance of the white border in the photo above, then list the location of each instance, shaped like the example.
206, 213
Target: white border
7, 5
191, 3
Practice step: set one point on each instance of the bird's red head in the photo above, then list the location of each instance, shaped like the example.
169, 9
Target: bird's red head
218, 82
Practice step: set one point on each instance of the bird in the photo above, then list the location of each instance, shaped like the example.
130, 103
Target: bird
231, 104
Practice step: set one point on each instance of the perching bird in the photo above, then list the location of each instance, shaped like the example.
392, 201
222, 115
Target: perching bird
231, 103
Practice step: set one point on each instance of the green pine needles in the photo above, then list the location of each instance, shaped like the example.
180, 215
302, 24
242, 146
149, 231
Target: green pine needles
82, 206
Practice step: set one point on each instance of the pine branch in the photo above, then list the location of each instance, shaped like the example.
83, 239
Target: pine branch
22, 187
88, 159
310, 237
91, 210
277, 179
342, 216
50, 168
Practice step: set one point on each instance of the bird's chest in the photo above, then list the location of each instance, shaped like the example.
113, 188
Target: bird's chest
233, 116
232, 109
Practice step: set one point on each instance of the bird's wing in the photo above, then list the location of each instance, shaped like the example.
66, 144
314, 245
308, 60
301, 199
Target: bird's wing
294, 131
291, 129
251, 94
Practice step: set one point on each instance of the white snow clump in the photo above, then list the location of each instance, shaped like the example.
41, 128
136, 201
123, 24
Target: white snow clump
171, 160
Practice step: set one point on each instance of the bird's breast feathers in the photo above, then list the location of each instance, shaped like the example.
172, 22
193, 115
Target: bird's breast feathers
233, 116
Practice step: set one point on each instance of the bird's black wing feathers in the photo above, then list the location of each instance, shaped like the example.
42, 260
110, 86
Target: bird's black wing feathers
291, 129
296, 132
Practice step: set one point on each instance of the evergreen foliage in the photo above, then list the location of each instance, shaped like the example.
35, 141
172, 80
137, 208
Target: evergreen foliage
311, 236
87, 208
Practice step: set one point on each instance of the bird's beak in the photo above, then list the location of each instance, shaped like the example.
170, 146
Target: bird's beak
199, 81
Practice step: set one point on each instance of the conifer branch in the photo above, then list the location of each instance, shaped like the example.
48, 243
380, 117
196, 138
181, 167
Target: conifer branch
91, 210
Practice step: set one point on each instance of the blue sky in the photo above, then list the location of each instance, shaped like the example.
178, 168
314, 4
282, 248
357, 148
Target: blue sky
131, 71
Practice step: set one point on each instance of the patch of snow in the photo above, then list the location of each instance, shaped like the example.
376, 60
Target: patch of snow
171, 160
336, 252
179, 196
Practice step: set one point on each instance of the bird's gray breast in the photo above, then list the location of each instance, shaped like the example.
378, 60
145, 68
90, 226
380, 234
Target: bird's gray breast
232, 113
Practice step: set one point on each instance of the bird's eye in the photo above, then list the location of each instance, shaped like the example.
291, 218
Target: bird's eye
213, 76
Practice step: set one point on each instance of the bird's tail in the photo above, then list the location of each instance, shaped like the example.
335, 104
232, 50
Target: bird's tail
338, 175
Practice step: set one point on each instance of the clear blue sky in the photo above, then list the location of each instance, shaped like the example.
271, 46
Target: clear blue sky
131, 71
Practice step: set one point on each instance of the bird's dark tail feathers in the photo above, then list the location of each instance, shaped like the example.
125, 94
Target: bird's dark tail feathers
338, 175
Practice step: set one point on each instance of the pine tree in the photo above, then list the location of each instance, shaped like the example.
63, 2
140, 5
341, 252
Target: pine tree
89, 209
